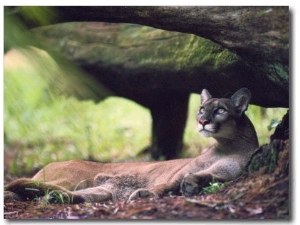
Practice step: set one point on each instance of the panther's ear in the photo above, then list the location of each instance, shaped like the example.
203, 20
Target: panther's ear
205, 96
241, 99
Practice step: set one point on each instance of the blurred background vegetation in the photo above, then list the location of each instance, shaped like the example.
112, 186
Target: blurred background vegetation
41, 126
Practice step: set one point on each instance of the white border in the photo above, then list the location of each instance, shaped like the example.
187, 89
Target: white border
294, 88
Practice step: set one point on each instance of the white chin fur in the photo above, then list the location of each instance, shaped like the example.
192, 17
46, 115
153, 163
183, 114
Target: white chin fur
206, 133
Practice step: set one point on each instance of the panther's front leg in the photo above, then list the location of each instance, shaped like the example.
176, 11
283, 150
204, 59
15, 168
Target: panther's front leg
223, 170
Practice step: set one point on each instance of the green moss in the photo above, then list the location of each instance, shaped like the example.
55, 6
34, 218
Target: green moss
281, 71
185, 51
265, 156
278, 74
200, 52
164, 49
273, 160
131, 45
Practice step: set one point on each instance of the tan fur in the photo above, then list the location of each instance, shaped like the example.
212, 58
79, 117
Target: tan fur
79, 181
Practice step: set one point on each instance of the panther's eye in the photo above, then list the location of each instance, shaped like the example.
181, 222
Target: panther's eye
220, 110
201, 110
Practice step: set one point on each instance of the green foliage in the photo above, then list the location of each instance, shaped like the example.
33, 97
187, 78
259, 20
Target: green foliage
43, 128
57, 197
261, 119
214, 187
273, 124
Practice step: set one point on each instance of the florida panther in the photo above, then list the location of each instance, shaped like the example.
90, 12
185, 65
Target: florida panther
78, 181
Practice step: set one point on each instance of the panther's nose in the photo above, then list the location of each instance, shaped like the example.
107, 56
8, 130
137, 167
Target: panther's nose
203, 122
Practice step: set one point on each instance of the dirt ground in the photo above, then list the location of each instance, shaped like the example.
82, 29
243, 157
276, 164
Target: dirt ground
262, 194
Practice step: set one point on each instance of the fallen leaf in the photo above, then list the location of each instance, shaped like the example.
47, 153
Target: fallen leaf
254, 211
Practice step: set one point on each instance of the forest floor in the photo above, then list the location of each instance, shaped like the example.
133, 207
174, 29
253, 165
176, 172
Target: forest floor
258, 195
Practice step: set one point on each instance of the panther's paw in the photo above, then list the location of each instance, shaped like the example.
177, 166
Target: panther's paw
189, 185
142, 193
